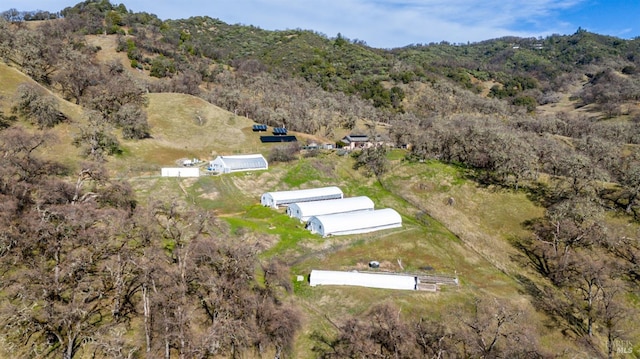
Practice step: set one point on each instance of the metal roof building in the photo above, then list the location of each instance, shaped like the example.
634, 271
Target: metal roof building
354, 222
227, 164
371, 280
304, 210
285, 198
180, 172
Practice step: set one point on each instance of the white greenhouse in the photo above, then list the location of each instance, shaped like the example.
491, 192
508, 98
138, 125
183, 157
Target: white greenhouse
371, 280
228, 164
285, 198
180, 172
354, 222
304, 210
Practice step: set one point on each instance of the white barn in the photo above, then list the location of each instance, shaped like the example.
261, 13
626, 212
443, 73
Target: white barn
180, 172
285, 198
371, 280
354, 222
228, 164
304, 210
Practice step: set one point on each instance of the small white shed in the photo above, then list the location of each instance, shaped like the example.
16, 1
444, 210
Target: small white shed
354, 222
360, 279
228, 164
304, 210
180, 172
285, 198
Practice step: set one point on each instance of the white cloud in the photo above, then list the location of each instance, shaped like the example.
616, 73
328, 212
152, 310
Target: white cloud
392, 23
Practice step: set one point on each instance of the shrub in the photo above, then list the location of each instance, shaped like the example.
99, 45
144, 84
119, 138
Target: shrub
284, 153
629, 70
526, 101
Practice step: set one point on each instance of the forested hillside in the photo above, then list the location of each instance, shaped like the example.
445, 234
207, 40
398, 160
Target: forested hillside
515, 162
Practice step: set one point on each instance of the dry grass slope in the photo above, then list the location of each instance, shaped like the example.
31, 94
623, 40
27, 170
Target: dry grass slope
61, 148
184, 126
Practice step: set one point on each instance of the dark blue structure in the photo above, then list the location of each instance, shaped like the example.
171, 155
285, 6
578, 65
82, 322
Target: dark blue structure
259, 128
280, 138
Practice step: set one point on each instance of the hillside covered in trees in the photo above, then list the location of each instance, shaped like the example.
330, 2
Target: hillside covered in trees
98, 260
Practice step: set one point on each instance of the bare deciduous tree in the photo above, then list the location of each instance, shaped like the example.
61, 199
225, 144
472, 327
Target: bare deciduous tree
493, 329
77, 74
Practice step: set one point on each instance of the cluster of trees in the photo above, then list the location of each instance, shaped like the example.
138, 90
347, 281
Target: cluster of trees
579, 154
14, 15
590, 269
484, 328
88, 271
291, 102
589, 262
185, 53
98, 17
57, 56
609, 91
372, 159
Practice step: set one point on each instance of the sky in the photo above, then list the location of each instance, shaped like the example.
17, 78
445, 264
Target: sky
397, 23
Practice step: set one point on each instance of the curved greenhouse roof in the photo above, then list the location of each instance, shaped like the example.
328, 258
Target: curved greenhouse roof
227, 164
304, 210
284, 198
354, 222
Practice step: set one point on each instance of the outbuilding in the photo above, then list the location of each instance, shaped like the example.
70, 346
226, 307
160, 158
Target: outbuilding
354, 222
180, 172
360, 279
285, 198
304, 210
228, 164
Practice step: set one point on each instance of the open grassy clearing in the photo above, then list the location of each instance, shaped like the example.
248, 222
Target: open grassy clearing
470, 238
487, 218
484, 218
184, 126
423, 245
11, 79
